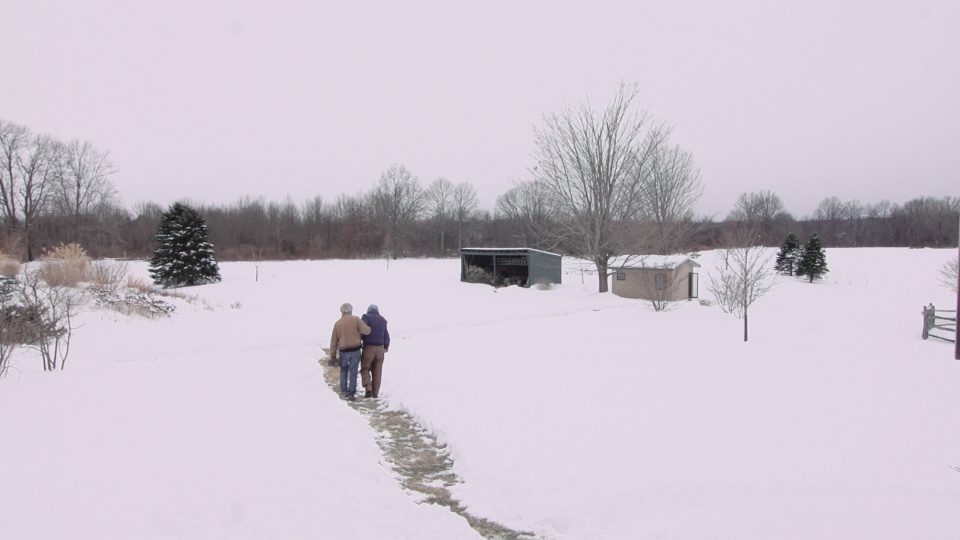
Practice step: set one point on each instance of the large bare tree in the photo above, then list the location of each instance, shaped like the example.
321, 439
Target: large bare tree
670, 191
399, 200
439, 199
82, 183
14, 138
527, 205
761, 211
464, 207
594, 166
38, 167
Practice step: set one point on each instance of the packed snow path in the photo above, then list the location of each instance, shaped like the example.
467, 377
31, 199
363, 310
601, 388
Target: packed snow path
423, 465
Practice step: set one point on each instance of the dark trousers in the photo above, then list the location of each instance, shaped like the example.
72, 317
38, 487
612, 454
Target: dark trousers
371, 368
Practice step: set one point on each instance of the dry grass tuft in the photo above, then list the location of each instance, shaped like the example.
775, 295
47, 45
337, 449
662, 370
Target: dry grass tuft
9, 266
65, 266
140, 284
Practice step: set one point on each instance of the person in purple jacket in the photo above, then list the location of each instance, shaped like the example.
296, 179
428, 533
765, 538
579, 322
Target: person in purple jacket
375, 344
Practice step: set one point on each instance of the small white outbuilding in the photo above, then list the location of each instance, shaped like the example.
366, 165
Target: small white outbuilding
656, 277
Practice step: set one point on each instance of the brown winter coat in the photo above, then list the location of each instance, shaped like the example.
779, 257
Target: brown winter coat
346, 334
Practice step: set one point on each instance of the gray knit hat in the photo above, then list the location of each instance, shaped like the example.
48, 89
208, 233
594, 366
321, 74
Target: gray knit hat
372, 308
346, 309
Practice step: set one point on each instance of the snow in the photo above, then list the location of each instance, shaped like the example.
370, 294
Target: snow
569, 413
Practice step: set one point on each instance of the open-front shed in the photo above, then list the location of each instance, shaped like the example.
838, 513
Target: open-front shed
656, 277
509, 266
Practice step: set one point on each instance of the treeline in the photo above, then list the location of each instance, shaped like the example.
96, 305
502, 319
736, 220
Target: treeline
360, 226
919, 222
54, 192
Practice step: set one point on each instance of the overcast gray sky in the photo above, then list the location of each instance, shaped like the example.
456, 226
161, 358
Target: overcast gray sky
213, 100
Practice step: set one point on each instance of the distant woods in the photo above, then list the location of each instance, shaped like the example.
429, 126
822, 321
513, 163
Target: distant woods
54, 192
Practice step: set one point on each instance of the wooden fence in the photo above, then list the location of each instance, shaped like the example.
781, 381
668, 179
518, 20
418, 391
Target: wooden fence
943, 321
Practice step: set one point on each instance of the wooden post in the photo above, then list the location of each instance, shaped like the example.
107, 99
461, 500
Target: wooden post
925, 333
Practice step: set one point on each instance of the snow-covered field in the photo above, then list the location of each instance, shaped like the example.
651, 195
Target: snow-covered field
570, 414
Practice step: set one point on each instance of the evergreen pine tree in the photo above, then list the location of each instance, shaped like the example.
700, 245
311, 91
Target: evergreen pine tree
788, 256
813, 262
183, 256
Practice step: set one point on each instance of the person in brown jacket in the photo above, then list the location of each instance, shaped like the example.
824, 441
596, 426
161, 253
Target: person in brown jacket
375, 344
345, 344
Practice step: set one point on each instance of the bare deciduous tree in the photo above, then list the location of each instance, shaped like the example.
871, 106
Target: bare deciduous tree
38, 166
14, 138
593, 165
439, 198
670, 191
399, 200
464, 206
743, 275
761, 211
82, 182
527, 205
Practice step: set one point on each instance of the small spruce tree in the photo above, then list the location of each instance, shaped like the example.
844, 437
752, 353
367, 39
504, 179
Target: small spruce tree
183, 256
788, 256
813, 262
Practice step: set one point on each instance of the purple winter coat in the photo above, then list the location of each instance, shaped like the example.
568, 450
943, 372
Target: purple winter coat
378, 330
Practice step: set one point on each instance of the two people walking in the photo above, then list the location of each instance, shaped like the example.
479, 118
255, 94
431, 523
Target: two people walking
359, 342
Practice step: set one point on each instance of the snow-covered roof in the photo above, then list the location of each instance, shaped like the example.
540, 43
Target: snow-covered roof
651, 261
509, 249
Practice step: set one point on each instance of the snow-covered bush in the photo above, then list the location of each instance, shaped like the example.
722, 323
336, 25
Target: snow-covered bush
132, 302
65, 266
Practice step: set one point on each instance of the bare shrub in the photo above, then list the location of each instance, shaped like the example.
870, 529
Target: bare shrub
949, 272
107, 275
53, 310
659, 285
543, 285
11, 325
65, 266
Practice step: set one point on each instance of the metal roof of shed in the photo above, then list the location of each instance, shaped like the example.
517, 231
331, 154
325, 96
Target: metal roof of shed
505, 250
